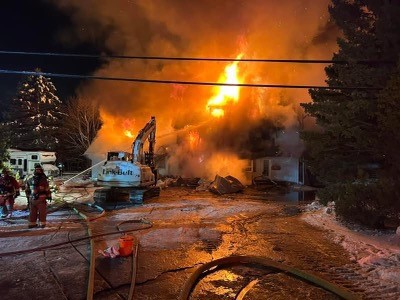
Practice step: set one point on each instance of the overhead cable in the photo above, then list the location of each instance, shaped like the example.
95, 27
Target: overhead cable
214, 59
158, 81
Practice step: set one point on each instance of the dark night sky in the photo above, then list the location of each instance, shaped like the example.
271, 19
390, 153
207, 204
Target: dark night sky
35, 26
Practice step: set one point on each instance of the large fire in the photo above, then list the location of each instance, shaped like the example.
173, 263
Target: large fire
225, 95
245, 30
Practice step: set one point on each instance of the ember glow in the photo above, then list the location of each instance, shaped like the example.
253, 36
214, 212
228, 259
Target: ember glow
225, 95
194, 140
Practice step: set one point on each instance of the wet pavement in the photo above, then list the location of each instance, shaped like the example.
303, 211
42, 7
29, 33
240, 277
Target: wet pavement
189, 228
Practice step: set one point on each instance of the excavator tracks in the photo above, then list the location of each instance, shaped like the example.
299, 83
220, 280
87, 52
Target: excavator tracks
115, 198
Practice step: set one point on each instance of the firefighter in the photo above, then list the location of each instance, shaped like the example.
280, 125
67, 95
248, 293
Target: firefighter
38, 191
9, 190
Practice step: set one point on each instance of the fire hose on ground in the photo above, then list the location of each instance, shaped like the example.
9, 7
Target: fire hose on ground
31, 250
90, 288
201, 271
265, 262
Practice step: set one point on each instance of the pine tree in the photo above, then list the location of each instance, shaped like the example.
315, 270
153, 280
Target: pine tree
35, 115
349, 134
4, 155
388, 119
356, 127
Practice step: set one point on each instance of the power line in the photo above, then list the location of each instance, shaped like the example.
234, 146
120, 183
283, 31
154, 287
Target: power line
156, 81
214, 59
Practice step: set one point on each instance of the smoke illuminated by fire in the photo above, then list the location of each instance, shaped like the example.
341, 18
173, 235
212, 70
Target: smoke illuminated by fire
118, 131
225, 94
284, 29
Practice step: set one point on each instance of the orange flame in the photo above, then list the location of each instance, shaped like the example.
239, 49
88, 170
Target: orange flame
225, 94
194, 139
126, 125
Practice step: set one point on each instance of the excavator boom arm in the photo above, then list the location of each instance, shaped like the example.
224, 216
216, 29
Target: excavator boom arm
148, 132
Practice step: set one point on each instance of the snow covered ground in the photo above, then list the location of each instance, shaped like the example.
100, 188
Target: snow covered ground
377, 252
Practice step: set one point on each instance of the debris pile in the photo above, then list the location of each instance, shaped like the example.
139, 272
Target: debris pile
189, 182
226, 185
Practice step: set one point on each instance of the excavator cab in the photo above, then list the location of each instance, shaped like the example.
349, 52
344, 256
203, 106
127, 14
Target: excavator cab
121, 156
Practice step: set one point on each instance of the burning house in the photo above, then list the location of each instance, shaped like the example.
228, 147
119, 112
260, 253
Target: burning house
246, 154
203, 130
234, 135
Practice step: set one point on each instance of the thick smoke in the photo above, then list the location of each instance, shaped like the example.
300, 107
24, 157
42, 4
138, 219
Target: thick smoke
206, 28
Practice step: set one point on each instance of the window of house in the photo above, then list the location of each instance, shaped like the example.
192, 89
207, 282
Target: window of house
19, 161
34, 157
13, 161
301, 172
249, 166
276, 167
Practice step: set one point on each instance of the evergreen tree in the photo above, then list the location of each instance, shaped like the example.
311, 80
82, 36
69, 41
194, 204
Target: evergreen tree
356, 127
4, 155
389, 125
35, 115
349, 134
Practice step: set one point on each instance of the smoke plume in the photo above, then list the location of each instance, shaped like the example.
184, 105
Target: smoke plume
207, 28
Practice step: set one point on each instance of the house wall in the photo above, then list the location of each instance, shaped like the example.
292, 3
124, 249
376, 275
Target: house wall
278, 168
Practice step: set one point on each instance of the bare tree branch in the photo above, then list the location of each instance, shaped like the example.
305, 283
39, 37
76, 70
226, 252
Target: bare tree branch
81, 124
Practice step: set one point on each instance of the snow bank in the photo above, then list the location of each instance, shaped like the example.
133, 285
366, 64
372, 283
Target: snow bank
377, 252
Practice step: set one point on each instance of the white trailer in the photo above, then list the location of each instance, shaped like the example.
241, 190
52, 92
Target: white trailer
23, 162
